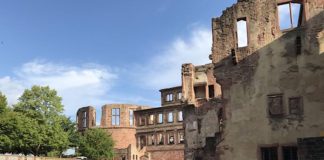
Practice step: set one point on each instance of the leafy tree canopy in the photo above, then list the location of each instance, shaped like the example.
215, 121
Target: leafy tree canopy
96, 144
3, 103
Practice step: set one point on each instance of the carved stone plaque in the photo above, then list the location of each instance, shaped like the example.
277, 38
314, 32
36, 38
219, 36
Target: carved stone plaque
275, 105
295, 105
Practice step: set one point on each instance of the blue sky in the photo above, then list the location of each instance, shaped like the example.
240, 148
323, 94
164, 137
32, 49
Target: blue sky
102, 51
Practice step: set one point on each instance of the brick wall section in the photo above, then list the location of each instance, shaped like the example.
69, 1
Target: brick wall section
311, 148
168, 155
122, 136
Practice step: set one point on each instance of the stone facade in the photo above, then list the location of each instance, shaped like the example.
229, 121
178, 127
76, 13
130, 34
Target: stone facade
86, 118
272, 88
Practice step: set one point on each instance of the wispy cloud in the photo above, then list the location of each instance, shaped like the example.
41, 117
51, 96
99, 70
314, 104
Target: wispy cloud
78, 85
164, 69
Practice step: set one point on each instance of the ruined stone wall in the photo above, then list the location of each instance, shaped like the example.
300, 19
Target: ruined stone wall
174, 92
273, 75
124, 133
87, 114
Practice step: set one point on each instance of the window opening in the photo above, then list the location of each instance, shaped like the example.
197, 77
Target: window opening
84, 119
131, 117
289, 153
181, 137
160, 139
151, 119
115, 115
211, 91
242, 35
179, 95
171, 138
170, 117
160, 120
200, 91
180, 116
269, 153
290, 15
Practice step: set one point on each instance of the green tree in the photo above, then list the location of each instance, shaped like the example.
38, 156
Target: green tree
3, 103
96, 144
43, 105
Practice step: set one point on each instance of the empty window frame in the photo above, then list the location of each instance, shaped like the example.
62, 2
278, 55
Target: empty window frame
169, 97
142, 141
151, 119
171, 138
200, 91
180, 116
151, 139
269, 153
290, 15
115, 117
131, 117
160, 118
170, 117
242, 32
179, 95
211, 91
142, 121
180, 137
289, 153
84, 119
160, 139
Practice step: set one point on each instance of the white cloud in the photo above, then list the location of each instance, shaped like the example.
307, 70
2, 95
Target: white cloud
77, 85
164, 70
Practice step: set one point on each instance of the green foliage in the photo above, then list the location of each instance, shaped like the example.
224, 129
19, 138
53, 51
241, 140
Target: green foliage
42, 105
96, 144
3, 103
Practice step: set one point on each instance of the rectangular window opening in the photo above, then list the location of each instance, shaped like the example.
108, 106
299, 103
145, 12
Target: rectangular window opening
181, 137
179, 95
115, 117
151, 119
170, 138
200, 91
180, 116
160, 120
84, 120
289, 153
170, 117
290, 15
160, 139
269, 153
131, 117
211, 91
242, 33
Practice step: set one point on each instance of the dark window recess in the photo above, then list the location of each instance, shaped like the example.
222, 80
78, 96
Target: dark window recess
199, 125
289, 153
296, 106
298, 46
275, 105
211, 91
200, 91
269, 153
234, 60
142, 141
